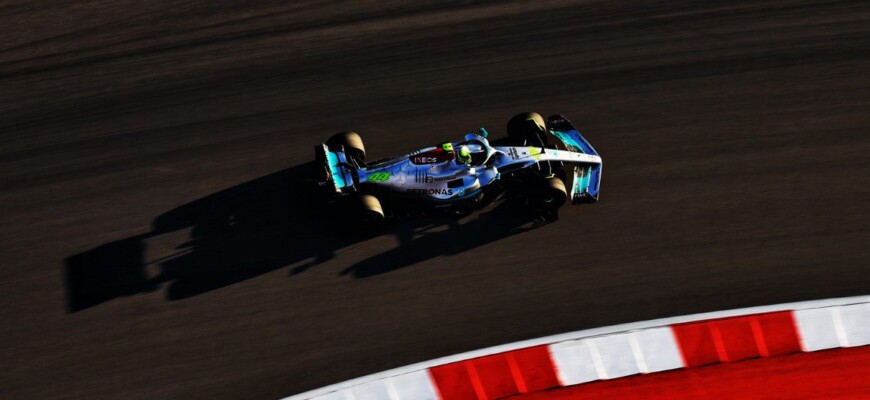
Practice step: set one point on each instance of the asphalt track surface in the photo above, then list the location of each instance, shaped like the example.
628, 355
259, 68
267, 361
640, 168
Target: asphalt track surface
154, 245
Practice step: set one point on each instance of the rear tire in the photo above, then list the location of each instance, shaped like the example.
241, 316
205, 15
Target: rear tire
527, 129
370, 214
352, 143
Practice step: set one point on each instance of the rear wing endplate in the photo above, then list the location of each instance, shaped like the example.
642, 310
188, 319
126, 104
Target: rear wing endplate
338, 175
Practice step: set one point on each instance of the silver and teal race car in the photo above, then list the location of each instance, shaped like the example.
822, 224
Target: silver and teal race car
461, 176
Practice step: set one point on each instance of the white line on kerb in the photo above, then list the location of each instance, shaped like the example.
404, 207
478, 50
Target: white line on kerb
391, 389
838, 327
596, 359
638, 355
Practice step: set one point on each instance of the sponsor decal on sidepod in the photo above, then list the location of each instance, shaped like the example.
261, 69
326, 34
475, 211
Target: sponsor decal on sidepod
431, 191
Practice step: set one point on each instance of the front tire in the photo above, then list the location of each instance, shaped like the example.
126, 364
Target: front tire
552, 195
527, 129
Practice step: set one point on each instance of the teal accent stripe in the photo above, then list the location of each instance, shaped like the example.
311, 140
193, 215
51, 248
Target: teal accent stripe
575, 141
582, 182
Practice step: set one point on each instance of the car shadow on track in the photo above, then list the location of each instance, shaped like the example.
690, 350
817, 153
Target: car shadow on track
416, 246
254, 228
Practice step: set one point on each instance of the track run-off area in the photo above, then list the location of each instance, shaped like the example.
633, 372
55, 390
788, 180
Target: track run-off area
667, 354
153, 243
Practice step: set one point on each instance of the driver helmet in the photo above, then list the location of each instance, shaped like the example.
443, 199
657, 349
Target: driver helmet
463, 156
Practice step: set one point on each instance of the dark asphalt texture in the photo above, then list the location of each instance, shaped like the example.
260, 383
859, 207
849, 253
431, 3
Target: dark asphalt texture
153, 245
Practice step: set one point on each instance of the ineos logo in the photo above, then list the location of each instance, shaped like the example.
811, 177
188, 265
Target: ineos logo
425, 160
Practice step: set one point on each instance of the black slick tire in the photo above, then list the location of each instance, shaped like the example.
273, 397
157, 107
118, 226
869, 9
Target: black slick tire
369, 213
527, 129
352, 144
552, 194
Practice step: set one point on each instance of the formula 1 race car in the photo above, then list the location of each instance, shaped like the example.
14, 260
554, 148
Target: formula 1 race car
459, 177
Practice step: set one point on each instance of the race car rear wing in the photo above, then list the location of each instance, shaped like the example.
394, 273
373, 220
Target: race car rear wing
587, 178
338, 174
